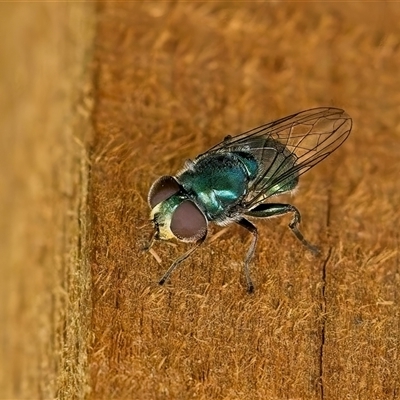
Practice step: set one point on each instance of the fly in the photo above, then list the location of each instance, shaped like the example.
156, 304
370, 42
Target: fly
236, 178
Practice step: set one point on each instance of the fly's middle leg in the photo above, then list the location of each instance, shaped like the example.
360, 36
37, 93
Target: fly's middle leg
250, 253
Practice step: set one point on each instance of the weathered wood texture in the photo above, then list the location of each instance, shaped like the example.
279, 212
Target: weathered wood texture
173, 79
46, 51
169, 81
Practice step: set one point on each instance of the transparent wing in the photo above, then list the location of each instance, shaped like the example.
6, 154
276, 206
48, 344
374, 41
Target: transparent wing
288, 147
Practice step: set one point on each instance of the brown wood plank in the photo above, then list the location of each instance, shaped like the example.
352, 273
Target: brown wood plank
46, 51
173, 79
83, 312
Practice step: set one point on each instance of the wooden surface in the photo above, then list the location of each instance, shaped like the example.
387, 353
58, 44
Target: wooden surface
46, 51
84, 315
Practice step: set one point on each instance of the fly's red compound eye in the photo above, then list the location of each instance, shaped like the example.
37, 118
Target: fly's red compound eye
162, 189
188, 223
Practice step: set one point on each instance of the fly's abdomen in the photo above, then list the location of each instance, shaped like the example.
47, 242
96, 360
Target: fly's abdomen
219, 181
276, 174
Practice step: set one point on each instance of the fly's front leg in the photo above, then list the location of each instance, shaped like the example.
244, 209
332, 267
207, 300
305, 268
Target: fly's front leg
250, 253
180, 259
269, 210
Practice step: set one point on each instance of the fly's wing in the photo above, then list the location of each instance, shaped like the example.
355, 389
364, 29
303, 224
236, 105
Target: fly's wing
287, 148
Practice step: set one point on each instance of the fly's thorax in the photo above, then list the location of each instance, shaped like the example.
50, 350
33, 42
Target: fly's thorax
173, 213
217, 182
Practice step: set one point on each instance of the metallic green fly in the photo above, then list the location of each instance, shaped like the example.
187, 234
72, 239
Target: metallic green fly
236, 178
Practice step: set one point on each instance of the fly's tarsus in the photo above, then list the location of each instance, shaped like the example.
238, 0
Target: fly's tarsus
294, 223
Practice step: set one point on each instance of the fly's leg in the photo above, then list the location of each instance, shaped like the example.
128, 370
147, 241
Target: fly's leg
149, 245
250, 253
180, 259
294, 223
269, 210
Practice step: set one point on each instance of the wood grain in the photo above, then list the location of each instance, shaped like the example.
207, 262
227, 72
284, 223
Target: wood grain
168, 81
45, 120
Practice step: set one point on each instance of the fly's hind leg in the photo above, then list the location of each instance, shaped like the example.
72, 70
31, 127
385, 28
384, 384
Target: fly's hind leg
269, 210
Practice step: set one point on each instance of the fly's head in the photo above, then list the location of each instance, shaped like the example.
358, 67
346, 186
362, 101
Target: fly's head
173, 213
